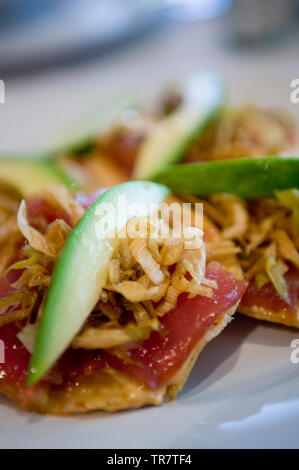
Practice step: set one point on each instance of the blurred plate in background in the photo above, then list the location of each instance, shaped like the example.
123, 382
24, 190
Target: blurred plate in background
34, 32
31, 33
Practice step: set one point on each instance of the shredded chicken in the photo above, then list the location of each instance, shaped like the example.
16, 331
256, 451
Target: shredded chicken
265, 233
28, 253
17, 306
139, 274
244, 132
268, 243
57, 232
9, 232
35, 239
105, 338
141, 253
145, 277
61, 197
286, 247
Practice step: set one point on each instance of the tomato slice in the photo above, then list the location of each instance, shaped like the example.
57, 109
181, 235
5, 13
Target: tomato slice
268, 298
156, 360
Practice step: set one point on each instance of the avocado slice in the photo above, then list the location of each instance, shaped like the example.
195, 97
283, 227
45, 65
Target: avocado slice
81, 271
81, 136
29, 175
249, 178
202, 97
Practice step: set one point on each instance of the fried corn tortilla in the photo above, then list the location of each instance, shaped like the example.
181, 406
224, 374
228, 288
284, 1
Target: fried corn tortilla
109, 390
95, 379
271, 263
266, 231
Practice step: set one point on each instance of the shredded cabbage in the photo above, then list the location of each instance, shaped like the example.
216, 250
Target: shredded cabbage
33, 257
275, 273
16, 306
290, 199
27, 336
60, 196
97, 338
35, 239
140, 286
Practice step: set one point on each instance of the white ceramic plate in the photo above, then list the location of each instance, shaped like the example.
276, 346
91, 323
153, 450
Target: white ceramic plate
243, 391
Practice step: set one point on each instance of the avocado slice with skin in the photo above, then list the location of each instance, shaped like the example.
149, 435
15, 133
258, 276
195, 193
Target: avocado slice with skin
81, 270
203, 95
30, 175
249, 178
82, 136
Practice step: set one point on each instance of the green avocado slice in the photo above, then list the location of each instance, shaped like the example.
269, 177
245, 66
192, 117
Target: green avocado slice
83, 134
29, 175
82, 267
203, 95
249, 178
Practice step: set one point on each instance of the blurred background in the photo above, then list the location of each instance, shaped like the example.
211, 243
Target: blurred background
61, 58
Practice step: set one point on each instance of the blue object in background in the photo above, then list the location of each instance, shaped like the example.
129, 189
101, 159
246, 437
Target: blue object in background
35, 32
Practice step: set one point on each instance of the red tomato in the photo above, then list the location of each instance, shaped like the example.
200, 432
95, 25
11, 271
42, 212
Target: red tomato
160, 357
268, 298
